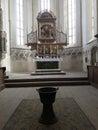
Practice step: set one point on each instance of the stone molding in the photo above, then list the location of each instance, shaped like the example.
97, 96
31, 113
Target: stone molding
21, 54
24, 54
72, 51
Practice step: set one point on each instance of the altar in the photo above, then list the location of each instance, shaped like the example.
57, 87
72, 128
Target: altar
47, 41
47, 65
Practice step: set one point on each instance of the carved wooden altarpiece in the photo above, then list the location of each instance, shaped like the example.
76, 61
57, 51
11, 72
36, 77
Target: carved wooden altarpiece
47, 40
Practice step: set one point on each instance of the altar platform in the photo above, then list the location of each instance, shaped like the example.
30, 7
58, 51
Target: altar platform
48, 72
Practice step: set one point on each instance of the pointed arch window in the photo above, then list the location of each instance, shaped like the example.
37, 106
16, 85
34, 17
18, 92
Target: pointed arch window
92, 17
19, 22
45, 4
70, 24
72, 21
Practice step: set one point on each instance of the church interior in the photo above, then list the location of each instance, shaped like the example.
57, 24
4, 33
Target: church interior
48, 45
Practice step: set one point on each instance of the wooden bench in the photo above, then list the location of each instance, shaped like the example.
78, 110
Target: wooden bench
2, 75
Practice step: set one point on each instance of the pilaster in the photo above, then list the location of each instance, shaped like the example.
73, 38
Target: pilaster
96, 16
0, 33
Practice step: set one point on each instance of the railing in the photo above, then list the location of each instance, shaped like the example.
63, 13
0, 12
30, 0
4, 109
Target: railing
61, 37
32, 37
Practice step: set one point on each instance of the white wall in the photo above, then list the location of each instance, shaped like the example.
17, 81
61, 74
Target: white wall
28, 11
78, 23
86, 21
23, 66
87, 52
9, 25
6, 23
87, 41
72, 63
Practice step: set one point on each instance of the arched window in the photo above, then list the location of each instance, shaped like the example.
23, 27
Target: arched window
92, 17
65, 16
72, 21
19, 22
45, 4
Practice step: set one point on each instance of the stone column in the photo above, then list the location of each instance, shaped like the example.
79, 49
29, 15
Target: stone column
0, 19
35, 10
56, 6
78, 23
96, 16
0, 32
86, 21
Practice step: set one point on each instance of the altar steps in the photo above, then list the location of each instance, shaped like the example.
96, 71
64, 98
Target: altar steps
40, 82
48, 72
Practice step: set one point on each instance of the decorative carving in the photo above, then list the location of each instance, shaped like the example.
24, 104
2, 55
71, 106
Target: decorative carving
2, 38
46, 27
32, 37
50, 41
72, 51
2, 41
46, 15
21, 54
46, 31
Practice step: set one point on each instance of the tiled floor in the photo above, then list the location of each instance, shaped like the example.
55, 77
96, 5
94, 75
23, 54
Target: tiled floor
85, 96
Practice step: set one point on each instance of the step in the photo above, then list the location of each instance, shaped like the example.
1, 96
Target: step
48, 70
45, 79
48, 73
46, 83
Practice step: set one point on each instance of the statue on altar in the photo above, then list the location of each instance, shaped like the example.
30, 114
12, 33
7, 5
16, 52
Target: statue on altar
47, 31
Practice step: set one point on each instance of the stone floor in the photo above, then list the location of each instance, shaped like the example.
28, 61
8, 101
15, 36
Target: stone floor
85, 96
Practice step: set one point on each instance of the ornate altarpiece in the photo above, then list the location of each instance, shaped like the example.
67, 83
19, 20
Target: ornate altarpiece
47, 40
